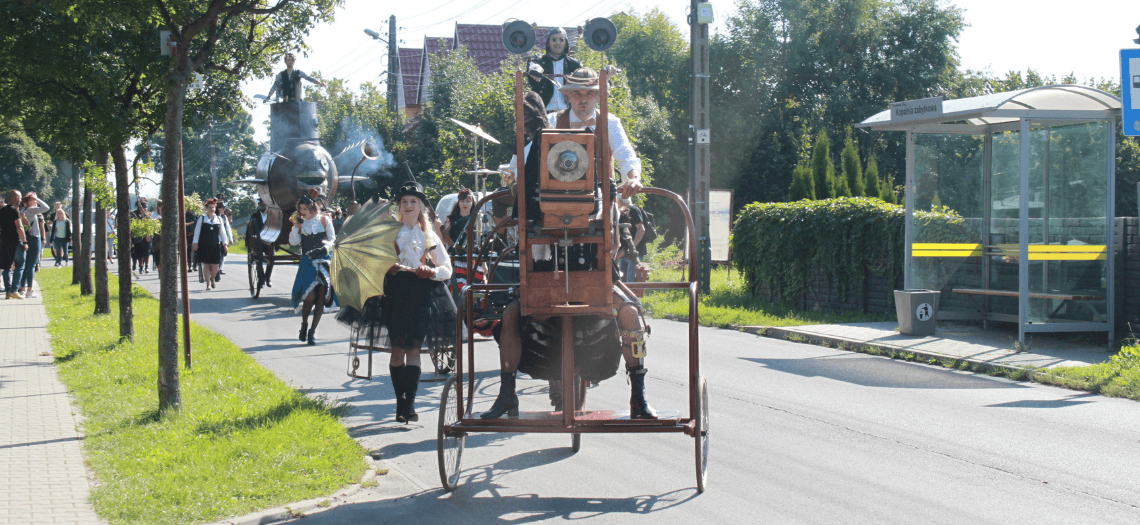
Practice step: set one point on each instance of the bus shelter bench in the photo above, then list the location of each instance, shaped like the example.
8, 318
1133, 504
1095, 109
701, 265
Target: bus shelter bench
1064, 298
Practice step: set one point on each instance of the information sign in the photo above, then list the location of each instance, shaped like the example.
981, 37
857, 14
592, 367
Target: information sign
1130, 89
720, 223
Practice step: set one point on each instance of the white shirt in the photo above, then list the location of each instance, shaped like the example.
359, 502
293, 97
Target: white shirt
412, 243
222, 236
313, 226
620, 145
558, 100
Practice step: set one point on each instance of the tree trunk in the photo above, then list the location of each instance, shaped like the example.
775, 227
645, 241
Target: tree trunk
102, 293
83, 258
169, 386
123, 195
76, 201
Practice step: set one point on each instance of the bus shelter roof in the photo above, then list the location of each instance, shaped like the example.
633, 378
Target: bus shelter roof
1002, 111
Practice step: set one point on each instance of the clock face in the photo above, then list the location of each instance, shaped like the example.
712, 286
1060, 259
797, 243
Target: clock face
567, 161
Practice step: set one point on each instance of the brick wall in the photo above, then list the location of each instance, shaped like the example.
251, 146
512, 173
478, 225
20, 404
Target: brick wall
878, 295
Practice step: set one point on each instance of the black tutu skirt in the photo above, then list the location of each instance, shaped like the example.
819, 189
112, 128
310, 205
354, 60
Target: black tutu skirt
413, 312
210, 253
597, 347
140, 248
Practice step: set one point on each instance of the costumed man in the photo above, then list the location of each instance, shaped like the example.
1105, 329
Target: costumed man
287, 85
525, 344
258, 249
546, 73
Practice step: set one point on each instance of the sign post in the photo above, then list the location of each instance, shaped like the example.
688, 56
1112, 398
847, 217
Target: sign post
1130, 91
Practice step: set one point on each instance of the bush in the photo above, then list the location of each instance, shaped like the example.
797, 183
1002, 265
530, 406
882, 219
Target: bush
781, 245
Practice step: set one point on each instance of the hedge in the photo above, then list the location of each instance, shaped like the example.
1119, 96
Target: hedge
780, 245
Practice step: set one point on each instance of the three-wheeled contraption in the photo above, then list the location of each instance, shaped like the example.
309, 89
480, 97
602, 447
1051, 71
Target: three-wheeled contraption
574, 164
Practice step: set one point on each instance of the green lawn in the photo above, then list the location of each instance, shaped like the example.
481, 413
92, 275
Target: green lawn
1119, 377
243, 441
728, 304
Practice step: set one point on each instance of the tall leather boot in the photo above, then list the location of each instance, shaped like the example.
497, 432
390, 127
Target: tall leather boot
411, 386
508, 400
397, 374
638, 407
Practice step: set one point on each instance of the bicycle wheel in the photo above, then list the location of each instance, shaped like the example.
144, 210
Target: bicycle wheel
449, 446
701, 437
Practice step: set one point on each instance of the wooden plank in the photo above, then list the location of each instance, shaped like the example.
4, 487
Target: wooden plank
1014, 293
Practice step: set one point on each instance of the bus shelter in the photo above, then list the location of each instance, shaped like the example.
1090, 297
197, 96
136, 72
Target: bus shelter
1010, 205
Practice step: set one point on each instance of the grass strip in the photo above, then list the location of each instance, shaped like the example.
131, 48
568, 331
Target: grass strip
1117, 377
243, 440
728, 304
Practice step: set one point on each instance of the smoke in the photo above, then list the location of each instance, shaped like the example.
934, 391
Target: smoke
377, 169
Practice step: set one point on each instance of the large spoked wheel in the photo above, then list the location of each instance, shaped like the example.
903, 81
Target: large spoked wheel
253, 269
443, 358
702, 437
450, 444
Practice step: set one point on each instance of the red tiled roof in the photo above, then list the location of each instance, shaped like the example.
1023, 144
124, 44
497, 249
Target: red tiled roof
485, 43
411, 63
435, 44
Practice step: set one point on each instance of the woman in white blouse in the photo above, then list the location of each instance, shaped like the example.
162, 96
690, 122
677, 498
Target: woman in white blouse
314, 232
416, 308
209, 238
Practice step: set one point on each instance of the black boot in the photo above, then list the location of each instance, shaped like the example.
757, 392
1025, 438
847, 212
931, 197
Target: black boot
411, 386
304, 329
397, 374
555, 389
312, 332
638, 407
507, 402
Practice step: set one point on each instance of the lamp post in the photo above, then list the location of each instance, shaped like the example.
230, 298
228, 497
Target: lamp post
393, 60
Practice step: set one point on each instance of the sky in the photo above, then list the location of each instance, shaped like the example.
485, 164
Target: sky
1054, 37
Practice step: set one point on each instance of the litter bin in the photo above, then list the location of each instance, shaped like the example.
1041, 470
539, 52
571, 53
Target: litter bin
917, 311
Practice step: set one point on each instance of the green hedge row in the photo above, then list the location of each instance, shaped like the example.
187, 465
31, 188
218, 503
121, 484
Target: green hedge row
780, 245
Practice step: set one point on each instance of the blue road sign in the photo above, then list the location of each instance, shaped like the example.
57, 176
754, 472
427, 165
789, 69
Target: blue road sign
1130, 89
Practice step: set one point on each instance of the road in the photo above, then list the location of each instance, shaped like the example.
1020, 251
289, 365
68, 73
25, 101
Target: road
799, 434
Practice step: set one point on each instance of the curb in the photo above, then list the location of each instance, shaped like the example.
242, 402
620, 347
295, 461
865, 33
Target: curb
894, 352
300, 509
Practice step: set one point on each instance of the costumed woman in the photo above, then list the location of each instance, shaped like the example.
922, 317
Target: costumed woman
141, 244
209, 242
312, 230
416, 308
456, 222
545, 73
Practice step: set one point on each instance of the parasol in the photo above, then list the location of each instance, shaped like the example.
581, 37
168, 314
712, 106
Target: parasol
364, 251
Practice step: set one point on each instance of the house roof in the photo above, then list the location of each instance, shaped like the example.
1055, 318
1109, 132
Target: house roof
435, 44
485, 43
411, 63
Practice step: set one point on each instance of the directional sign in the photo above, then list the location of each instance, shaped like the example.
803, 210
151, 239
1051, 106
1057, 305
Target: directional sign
1130, 84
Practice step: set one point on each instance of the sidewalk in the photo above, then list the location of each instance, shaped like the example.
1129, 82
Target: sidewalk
986, 348
42, 475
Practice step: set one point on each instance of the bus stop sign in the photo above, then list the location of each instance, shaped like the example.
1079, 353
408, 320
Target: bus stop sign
1130, 89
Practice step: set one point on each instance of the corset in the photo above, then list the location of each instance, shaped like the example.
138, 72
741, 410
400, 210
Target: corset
313, 241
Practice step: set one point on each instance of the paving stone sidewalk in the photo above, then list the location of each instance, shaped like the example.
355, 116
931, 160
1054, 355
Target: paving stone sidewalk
992, 348
42, 475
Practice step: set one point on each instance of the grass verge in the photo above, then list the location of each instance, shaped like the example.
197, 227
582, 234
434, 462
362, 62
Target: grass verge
1118, 377
728, 304
243, 440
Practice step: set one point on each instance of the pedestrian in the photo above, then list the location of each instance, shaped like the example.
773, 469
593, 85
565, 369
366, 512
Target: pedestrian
224, 214
140, 244
258, 249
314, 232
32, 211
209, 242
13, 245
416, 307
632, 216
60, 236
190, 221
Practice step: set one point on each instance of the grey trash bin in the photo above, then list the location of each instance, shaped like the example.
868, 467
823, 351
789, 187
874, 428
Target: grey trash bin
917, 311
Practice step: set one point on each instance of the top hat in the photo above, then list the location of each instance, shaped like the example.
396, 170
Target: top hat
411, 188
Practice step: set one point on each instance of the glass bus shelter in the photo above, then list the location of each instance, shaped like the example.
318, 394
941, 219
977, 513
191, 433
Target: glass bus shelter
1009, 205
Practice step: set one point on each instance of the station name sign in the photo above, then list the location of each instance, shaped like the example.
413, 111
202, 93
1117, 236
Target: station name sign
916, 109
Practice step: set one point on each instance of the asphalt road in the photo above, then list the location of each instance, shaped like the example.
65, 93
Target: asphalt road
799, 434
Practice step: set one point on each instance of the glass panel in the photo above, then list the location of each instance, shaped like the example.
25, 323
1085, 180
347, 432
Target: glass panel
1005, 187
948, 223
1068, 236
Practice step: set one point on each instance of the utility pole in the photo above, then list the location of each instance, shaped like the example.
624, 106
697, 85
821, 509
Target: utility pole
700, 165
393, 65
213, 163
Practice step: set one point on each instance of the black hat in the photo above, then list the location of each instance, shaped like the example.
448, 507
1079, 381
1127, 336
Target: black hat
411, 188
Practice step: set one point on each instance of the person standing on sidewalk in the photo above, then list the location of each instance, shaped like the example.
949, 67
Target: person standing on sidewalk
13, 245
33, 214
60, 236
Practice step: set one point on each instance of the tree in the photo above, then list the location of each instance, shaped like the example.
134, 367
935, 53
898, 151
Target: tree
851, 167
803, 184
23, 164
823, 171
872, 183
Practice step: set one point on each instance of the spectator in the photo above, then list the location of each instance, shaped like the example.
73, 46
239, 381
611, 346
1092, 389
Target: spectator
140, 244
60, 236
224, 214
631, 215
156, 242
110, 235
13, 245
33, 208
